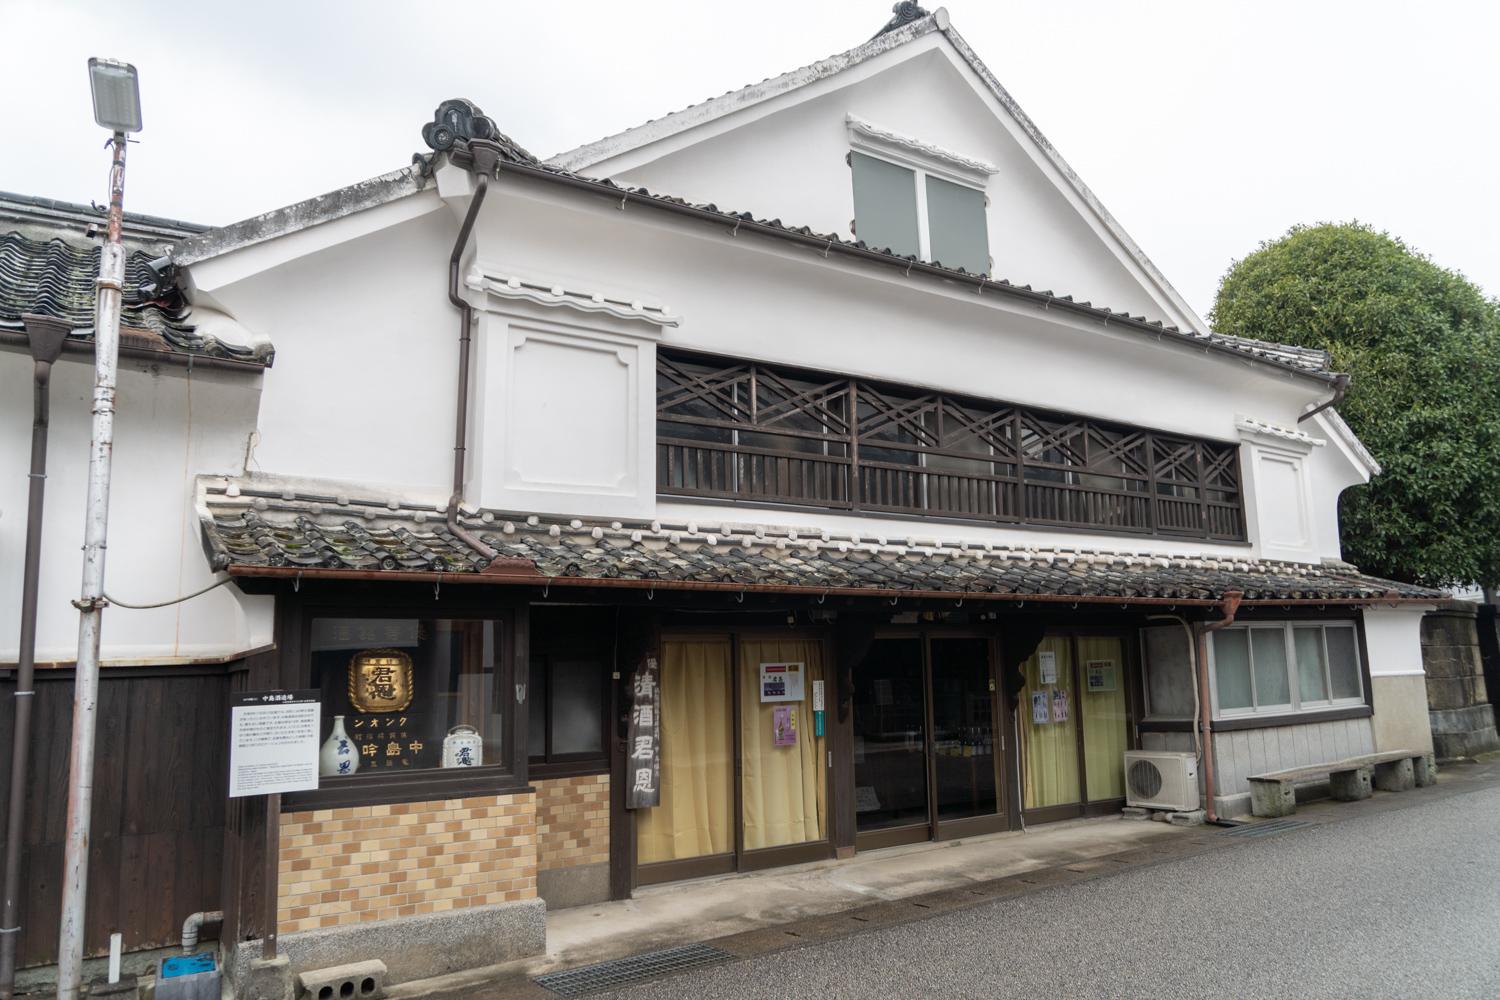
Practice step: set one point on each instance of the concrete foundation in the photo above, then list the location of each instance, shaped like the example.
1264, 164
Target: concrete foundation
1400, 721
578, 885
415, 947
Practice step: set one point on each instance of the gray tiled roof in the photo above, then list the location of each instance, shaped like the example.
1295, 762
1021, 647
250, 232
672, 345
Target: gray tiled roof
49, 263
246, 527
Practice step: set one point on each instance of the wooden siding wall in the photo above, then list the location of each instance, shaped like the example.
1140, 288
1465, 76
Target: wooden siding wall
159, 798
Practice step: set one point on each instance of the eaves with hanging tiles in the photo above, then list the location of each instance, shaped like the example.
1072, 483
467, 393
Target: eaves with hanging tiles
49, 261
262, 528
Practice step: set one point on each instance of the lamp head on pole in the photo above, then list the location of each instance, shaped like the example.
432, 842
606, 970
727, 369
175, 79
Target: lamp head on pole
117, 95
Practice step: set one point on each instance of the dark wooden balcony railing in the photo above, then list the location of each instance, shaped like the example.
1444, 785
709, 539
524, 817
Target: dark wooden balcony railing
742, 431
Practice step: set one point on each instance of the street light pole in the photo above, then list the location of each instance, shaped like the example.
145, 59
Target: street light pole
116, 106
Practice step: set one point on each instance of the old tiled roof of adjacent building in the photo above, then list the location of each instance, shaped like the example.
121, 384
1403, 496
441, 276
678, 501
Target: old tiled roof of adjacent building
264, 528
49, 260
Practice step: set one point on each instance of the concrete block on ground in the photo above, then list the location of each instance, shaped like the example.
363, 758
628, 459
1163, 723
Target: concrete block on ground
1194, 818
1135, 812
1424, 769
128, 988
1272, 798
1395, 776
1351, 785
358, 980
576, 885
427, 944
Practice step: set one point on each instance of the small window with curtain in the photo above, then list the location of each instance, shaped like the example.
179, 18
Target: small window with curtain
1280, 668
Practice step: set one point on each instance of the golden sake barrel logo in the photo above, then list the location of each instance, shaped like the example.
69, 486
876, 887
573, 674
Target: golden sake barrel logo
380, 680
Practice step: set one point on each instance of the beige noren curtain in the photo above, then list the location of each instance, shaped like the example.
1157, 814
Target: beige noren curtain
1105, 723
696, 814
1049, 750
784, 788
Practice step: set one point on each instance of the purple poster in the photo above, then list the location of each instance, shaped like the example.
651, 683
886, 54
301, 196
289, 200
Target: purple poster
784, 726
1059, 705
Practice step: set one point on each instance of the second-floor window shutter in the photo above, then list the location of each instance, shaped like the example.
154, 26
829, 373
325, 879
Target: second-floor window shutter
955, 226
885, 205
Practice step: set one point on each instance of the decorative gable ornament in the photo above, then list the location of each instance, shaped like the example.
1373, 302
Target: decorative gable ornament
459, 122
904, 14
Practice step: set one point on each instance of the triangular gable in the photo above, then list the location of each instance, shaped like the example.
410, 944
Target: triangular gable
619, 154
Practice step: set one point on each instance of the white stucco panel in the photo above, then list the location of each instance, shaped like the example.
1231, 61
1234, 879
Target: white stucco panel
1393, 639
563, 416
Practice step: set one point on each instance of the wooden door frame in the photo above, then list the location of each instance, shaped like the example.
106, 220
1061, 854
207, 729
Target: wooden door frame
934, 828
999, 820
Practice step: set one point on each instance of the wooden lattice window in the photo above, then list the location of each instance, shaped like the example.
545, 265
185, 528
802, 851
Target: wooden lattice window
746, 431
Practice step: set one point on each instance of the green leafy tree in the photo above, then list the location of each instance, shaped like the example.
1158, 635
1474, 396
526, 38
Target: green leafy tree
1422, 347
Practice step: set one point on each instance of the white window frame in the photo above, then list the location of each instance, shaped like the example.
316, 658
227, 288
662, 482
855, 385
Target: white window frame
923, 159
1297, 706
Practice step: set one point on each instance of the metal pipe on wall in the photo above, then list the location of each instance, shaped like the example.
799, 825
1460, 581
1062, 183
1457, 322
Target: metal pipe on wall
45, 335
1230, 605
486, 162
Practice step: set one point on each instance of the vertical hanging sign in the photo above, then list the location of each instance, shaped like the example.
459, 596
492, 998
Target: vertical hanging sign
643, 753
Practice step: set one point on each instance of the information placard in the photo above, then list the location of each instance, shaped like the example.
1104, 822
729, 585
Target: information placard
273, 742
782, 681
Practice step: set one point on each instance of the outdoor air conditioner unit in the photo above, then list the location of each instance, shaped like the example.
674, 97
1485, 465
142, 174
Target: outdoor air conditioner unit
1161, 779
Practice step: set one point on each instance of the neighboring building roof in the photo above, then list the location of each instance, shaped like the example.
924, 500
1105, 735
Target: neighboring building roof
264, 528
49, 261
909, 23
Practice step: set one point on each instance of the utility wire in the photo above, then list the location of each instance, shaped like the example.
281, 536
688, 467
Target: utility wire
163, 604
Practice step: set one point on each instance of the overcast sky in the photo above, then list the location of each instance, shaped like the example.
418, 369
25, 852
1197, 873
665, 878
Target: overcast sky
1204, 126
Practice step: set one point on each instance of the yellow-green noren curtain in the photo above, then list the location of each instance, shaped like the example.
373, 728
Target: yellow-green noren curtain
696, 814
1049, 750
783, 788
1105, 723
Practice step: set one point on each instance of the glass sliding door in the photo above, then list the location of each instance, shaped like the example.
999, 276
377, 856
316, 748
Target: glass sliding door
783, 780
1106, 722
963, 728
890, 737
695, 818
1049, 727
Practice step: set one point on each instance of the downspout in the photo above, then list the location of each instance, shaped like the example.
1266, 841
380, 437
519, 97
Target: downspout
46, 336
1230, 605
486, 163
1340, 386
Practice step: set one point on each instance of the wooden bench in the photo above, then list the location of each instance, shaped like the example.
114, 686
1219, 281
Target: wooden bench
1275, 793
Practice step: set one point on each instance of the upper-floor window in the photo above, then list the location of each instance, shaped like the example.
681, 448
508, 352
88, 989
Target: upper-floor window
739, 430
919, 200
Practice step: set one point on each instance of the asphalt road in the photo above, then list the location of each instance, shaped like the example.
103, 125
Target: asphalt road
1403, 903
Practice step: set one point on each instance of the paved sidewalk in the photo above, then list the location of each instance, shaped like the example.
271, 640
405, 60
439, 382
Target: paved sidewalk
760, 913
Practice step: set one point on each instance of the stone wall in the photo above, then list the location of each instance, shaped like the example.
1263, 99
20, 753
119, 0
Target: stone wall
1463, 722
572, 816
368, 863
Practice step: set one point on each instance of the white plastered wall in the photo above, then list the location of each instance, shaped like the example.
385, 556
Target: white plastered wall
169, 425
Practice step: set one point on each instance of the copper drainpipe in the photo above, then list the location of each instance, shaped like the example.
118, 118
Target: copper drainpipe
45, 335
486, 162
1230, 605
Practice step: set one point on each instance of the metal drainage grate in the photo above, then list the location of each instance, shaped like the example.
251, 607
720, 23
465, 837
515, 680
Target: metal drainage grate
1267, 828
588, 979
